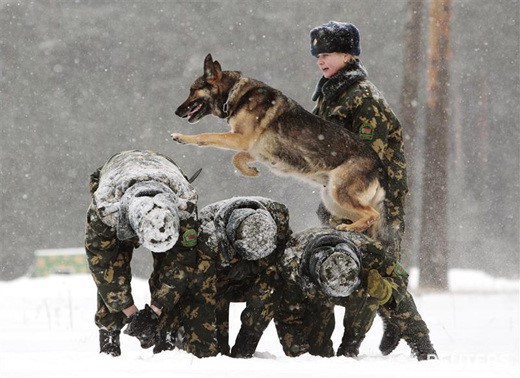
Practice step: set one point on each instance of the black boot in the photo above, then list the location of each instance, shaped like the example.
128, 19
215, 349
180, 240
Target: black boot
391, 337
422, 348
164, 340
109, 342
351, 351
349, 348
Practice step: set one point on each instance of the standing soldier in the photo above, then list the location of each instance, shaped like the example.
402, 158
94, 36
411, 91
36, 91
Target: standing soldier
346, 97
248, 234
143, 198
323, 267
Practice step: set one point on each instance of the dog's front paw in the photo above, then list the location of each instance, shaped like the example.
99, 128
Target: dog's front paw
179, 138
356, 227
248, 171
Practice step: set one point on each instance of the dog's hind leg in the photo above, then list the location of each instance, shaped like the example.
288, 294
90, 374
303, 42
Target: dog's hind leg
241, 161
368, 216
355, 198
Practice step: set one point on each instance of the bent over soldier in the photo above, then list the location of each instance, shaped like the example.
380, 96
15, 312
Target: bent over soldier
323, 267
248, 234
142, 198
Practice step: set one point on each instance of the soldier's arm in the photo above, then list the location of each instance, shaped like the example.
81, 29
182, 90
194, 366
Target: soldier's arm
371, 125
109, 263
260, 300
376, 258
290, 321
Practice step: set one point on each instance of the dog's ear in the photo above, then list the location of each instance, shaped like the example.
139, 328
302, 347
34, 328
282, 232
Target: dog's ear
212, 70
208, 64
218, 68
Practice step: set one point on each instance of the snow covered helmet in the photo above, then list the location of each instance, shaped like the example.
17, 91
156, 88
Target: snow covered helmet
333, 37
333, 264
151, 213
252, 232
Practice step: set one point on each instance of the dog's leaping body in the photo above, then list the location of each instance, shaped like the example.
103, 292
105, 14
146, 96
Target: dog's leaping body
269, 127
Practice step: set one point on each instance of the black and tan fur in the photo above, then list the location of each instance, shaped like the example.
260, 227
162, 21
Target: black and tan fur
269, 127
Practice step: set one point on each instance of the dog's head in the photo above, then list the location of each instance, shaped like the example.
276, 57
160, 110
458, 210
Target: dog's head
207, 94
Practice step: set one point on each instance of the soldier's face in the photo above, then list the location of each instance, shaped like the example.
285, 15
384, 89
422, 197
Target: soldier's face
331, 63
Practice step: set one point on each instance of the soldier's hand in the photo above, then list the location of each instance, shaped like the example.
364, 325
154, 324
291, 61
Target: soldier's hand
143, 325
378, 287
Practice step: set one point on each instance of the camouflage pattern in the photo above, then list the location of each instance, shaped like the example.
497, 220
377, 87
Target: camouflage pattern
406, 317
182, 284
241, 280
109, 262
352, 101
305, 318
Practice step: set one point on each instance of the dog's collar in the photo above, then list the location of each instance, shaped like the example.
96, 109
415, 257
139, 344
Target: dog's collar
230, 102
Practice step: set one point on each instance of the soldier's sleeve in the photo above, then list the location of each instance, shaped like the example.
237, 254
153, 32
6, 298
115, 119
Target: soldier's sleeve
109, 263
289, 319
375, 257
371, 124
259, 310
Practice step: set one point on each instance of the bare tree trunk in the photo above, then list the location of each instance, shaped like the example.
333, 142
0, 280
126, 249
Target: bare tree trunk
433, 262
408, 116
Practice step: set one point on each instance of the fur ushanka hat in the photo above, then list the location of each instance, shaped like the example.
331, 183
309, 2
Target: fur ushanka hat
335, 36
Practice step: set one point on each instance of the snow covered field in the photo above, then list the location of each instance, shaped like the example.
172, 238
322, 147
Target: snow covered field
47, 330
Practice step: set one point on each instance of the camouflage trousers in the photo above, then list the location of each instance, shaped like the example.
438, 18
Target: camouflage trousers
185, 290
401, 312
360, 311
404, 316
104, 318
306, 326
258, 313
112, 321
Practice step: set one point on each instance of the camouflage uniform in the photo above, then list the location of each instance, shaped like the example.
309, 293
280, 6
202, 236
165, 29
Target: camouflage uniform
353, 102
350, 100
183, 271
242, 280
183, 284
305, 318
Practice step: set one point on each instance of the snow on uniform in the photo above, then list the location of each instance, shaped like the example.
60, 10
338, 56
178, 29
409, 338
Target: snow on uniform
305, 318
246, 272
112, 233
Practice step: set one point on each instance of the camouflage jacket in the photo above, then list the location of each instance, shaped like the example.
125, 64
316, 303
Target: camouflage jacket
108, 256
241, 280
296, 285
352, 101
232, 269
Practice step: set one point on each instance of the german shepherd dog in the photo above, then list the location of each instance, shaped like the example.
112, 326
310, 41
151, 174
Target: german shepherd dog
269, 127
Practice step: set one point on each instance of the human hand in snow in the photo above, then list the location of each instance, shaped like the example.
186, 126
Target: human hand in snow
143, 325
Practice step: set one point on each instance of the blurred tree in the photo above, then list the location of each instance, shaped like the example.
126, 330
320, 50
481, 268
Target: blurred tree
82, 80
433, 261
408, 111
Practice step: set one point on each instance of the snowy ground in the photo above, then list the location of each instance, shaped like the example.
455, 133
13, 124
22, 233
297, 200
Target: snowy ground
47, 330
